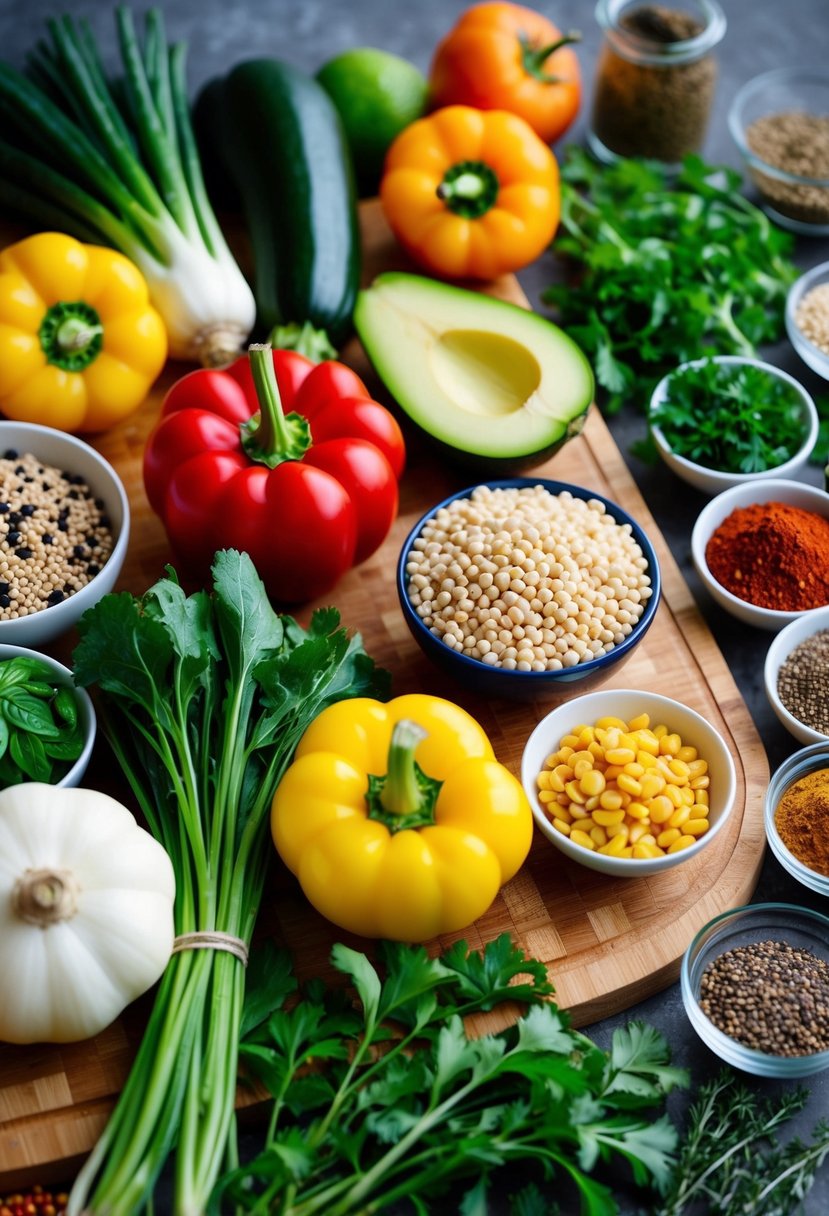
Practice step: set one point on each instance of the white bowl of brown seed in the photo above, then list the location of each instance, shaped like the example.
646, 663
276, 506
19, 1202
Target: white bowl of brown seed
807, 318
796, 675
64, 530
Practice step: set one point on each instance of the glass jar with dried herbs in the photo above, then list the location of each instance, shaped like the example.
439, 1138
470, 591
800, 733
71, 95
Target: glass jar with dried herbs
655, 79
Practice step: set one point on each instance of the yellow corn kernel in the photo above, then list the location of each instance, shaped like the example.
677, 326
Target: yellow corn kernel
695, 827
687, 796
635, 770
648, 838
680, 770
662, 768
668, 837
615, 847
592, 782
562, 826
570, 741
579, 812
596, 750
687, 753
598, 835
543, 781
647, 761
586, 736
674, 793
701, 798
609, 723
581, 767
697, 768
700, 783
562, 799
620, 755
629, 784
579, 837
679, 817
641, 722
652, 784
617, 829
611, 772
563, 772
660, 808
684, 842
581, 754
648, 743
592, 802
669, 745
642, 851
573, 792
564, 753
561, 812
552, 760
637, 810
610, 800
608, 817
637, 831
659, 731
582, 825
545, 796
555, 782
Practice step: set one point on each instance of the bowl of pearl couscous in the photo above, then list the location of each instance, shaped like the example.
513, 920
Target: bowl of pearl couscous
525, 586
64, 529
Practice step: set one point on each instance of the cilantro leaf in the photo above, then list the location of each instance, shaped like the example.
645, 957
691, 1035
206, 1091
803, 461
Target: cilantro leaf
487, 978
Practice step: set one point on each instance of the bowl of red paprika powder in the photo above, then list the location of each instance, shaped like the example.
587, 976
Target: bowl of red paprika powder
762, 551
797, 816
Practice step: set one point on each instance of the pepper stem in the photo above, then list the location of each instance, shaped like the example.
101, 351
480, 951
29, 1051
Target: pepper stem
405, 796
533, 58
271, 436
71, 335
469, 188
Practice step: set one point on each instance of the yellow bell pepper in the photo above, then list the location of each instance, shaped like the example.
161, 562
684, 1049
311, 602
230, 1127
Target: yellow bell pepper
80, 344
397, 818
471, 193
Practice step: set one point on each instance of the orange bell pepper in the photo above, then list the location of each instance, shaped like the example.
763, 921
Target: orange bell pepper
507, 57
471, 193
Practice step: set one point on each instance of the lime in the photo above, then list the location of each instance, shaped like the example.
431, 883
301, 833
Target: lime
377, 94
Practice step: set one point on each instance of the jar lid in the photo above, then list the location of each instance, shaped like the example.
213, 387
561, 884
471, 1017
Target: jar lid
639, 48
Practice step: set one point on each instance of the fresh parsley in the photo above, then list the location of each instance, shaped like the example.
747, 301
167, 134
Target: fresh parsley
664, 270
733, 417
380, 1094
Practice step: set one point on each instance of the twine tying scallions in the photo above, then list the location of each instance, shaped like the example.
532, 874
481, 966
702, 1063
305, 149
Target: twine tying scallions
212, 939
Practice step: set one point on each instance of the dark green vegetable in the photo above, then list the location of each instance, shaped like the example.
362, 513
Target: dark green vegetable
280, 141
734, 1160
206, 697
733, 417
357, 1129
40, 736
664, 271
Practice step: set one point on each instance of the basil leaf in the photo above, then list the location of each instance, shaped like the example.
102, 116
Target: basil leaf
29, 714
68, 748
28, 752
4, 735
65, 706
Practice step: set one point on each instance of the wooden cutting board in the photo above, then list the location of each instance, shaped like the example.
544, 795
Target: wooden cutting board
607, 942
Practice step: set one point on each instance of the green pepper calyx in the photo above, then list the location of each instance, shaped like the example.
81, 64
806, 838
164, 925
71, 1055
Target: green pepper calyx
404, 797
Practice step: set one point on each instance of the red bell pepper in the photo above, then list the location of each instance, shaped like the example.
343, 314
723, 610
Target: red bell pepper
307, 493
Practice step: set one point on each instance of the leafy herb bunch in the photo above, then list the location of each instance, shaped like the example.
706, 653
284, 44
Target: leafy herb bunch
664, 270
40, 731
400, 1102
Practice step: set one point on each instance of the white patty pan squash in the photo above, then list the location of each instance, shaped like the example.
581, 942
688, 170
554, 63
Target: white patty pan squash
86, 912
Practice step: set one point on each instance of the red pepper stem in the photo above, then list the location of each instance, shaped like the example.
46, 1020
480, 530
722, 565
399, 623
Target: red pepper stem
402, 793
534, 58
272, 437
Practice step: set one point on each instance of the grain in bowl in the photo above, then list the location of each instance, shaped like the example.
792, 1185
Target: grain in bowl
524, 579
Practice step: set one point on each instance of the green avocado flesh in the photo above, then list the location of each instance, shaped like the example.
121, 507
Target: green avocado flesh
485, 378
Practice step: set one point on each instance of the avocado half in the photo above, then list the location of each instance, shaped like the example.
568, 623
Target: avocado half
494, 384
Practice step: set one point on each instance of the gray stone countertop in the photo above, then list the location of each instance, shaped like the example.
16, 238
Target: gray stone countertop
760, 36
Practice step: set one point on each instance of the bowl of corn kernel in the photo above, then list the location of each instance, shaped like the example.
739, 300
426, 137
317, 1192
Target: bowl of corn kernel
628, 782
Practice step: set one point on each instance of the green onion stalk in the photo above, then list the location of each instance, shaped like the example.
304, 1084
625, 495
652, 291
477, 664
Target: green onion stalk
116, 163
205, 699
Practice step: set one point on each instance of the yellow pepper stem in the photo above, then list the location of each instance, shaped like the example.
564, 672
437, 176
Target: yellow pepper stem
469, 188
405, 796
71, 335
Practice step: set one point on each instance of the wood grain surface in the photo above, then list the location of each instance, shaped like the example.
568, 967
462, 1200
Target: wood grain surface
607, 942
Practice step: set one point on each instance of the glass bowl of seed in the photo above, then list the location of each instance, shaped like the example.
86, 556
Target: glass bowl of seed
780, 123
64, 530
755, 985
796, 816
796, 675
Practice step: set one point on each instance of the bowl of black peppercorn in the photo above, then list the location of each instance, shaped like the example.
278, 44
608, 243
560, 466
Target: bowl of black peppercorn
755, 986
64, 530
796, 675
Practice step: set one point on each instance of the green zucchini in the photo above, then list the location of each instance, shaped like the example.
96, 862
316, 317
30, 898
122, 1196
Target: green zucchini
277, 136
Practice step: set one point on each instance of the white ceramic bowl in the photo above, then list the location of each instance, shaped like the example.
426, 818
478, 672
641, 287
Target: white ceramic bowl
86, 711
626, 704
713, 481
812, 356
67, 452
808, 760
797, 493
782, 646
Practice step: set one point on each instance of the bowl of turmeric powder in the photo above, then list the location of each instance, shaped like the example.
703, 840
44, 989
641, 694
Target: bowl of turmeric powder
762, 551
797, 816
